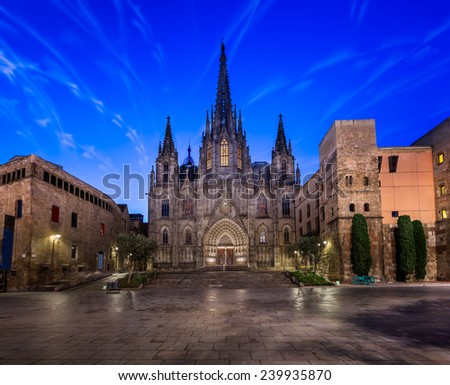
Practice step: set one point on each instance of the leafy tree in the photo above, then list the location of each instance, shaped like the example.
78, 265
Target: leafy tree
421, 249
360, 246
406, 247
311, 249
137, 250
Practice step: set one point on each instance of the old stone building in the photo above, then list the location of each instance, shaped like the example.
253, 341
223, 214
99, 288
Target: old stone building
53, 224
356, 176
226, 210
348, 166
439, 140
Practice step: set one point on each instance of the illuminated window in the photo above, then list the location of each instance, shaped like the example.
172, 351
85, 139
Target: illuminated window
208, 156
442, 189
224, 153
239, 156
444, 214
262, 237
440, 158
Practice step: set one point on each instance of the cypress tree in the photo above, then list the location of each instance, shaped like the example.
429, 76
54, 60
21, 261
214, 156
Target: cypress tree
360, 247
421, 249
406, 247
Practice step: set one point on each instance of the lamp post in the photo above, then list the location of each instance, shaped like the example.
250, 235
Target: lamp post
55, 237
117, 259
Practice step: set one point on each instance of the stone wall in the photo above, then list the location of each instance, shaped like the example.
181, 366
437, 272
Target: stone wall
65, 225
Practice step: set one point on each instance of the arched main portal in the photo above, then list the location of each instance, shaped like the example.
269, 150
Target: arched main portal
225, 243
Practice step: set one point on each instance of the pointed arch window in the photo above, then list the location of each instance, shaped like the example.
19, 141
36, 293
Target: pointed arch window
188, 207
262, 206
188, 237
239, 156
286, 235
166, 173
285, 206
224, 152
165, 208
208, 156
262, 236
165, 236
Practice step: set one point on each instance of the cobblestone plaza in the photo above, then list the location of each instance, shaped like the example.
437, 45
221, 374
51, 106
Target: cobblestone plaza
228, 318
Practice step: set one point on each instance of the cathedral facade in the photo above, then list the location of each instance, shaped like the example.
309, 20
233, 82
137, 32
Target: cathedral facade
226, 210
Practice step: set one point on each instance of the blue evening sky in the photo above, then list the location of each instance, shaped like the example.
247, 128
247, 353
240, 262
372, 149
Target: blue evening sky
89, 84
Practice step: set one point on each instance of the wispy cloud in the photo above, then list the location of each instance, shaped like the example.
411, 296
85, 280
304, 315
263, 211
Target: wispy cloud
301, 86
117, 120
438, 31
269, 88
99, 105
358, 10
7, 67
406, 84
421, 54
91, 153
66, 140
254, 10
43, 122
330, 61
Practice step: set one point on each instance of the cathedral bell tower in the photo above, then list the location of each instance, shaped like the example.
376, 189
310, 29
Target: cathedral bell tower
167, 160
282, 158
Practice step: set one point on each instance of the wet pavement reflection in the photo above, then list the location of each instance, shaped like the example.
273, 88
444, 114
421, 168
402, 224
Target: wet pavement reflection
219, 325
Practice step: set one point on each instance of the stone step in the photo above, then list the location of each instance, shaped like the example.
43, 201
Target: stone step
223, 279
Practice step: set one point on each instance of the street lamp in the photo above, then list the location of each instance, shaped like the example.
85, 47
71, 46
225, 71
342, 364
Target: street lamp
55, 237
117, 259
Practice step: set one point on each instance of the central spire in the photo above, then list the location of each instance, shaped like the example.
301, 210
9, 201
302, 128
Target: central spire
223, 114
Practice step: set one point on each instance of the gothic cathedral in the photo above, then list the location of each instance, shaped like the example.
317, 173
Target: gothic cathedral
227, 211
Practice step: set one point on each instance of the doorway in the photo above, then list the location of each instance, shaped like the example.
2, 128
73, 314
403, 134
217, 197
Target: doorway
225, 255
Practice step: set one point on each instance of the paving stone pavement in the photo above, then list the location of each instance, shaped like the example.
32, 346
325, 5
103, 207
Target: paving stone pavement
221, 318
